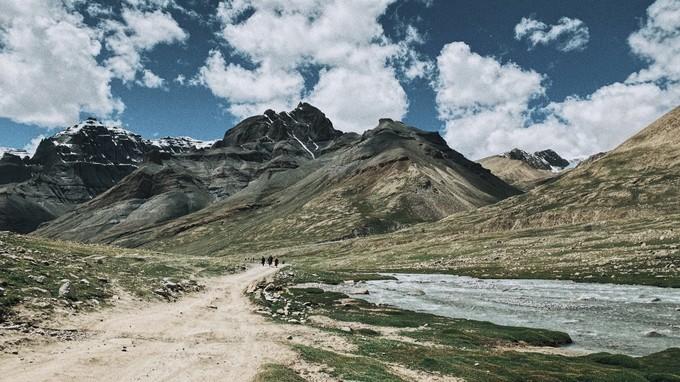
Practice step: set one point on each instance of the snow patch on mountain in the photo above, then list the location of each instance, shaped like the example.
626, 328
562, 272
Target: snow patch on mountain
10, 150
177, 145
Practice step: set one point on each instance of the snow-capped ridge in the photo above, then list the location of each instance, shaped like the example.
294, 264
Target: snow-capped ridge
21, 153
181, 144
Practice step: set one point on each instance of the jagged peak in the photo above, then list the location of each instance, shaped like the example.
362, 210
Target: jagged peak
306, 125
93, 124
543, 160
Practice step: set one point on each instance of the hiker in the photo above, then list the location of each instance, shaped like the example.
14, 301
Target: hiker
263, 260
276, 262
270, 260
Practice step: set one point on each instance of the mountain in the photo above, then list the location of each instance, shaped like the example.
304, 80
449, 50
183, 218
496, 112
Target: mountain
524, 170
21, 153
286, 177
70, 168
638, 179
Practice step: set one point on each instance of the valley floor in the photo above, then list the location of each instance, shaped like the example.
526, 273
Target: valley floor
278, 332
210, 335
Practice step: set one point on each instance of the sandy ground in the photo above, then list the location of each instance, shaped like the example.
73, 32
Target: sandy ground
210, 336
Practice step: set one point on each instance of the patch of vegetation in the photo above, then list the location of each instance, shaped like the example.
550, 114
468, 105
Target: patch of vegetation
42, 274
277, 373
488, 365
346, 367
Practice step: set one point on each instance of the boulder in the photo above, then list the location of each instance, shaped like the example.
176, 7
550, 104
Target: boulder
65, 288
360, 291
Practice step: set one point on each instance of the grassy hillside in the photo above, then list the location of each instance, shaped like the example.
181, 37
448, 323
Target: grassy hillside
34, 272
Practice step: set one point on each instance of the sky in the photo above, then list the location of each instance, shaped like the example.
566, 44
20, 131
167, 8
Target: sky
579, 77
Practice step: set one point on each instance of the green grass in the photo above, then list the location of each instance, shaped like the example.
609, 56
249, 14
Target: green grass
32, 270
277, 373
347, 367
456, 347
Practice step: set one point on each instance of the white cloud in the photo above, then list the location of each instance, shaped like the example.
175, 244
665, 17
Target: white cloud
139, 32
48, 67
180, 79
484, 104
251, 91
350, 98
282, 39
151, 80
478, 96
658, 42
567, 35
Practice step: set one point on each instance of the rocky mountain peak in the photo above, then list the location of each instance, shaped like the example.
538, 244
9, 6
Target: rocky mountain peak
305, 126
552, 158
304, 129
92, 141
541, 160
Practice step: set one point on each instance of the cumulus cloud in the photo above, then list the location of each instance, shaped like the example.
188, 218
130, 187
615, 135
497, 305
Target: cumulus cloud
658, 42
140, 31
284, 39
486, 106
477, 97
151, 80
48, 67
51, 65
251, 91
567, 35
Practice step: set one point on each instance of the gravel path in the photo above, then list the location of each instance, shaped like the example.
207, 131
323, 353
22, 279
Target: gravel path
209, 336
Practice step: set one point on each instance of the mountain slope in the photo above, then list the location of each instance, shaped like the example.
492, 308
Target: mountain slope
640, 179
293, 178
614, 218
524, 170
70, 168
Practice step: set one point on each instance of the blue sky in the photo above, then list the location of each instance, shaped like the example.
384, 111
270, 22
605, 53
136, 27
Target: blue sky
458, 67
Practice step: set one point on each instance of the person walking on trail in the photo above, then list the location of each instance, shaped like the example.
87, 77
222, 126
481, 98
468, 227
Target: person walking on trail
263, 261
270, 260
276, 262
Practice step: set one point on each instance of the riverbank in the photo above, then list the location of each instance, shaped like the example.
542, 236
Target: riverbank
383, 337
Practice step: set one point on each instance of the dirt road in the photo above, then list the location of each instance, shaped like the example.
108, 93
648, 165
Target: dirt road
213, 335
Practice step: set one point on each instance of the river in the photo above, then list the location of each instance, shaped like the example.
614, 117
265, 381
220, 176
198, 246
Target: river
629, 319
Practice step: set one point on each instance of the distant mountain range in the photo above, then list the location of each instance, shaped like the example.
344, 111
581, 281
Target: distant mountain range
286, 178
638, 179
70, 168
271, 176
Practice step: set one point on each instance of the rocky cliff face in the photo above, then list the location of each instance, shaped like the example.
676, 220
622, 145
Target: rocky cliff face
540, 160
70, 168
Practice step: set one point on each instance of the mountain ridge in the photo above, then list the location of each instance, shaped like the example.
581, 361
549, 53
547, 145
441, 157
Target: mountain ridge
351, 185
526, 170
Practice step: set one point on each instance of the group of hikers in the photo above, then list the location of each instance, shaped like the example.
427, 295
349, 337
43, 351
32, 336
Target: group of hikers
271, 260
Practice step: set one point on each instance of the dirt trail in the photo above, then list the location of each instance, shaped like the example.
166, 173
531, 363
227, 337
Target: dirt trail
213, 335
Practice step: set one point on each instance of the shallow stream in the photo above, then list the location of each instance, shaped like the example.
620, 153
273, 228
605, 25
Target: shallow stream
629, 319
